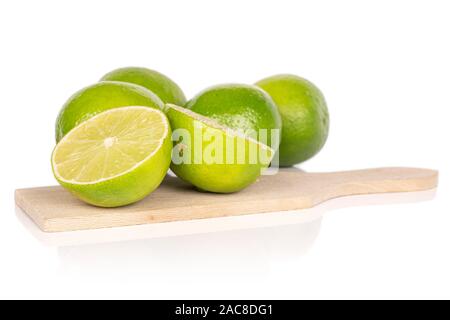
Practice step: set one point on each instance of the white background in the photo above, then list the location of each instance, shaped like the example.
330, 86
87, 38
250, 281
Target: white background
384, 69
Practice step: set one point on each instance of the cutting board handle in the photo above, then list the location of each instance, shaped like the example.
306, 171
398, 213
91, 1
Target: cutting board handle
369, 181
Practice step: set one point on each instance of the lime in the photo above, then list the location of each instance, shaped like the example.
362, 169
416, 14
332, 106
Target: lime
100, 97
167, 90
213, 157
116, 157
304, 113
240, 107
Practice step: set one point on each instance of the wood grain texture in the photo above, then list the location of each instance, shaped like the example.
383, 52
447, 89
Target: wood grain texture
54, 209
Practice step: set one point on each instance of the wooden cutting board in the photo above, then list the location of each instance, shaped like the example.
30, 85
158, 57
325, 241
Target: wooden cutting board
54, 209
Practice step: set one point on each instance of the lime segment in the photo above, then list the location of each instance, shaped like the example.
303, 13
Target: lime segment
213, 157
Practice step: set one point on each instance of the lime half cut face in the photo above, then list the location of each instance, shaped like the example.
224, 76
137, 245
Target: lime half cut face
115, 158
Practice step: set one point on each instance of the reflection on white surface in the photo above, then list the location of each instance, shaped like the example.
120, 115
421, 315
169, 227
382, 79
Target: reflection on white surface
231, 243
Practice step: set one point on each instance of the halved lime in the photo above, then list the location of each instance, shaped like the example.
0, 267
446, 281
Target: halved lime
213, 157
116, 157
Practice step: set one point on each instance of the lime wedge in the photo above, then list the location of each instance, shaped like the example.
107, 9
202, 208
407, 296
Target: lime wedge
213, 157
116, 157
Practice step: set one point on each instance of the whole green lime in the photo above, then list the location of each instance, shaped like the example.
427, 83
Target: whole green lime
99, 97
304, 113
241, 107
161, 85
